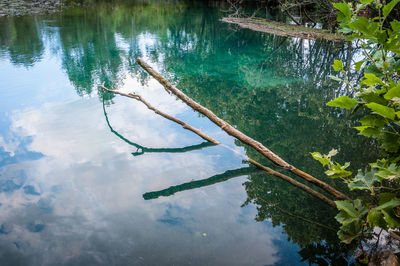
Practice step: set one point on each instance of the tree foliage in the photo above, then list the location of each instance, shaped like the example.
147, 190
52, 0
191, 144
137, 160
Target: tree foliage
377, 97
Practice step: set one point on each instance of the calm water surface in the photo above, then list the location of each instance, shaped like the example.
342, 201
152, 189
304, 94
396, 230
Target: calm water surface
88, 178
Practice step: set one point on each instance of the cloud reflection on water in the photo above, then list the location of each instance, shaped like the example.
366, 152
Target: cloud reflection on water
90, 209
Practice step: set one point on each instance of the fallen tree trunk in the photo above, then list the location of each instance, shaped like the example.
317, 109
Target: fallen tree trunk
238, 134
205, 136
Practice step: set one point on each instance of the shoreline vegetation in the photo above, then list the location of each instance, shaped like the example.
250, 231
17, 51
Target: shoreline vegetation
284, 29
10, 8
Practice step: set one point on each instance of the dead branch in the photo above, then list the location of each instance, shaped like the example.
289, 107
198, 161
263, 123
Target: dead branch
238, 134
206, 137
293, 182
394, 235
167, 116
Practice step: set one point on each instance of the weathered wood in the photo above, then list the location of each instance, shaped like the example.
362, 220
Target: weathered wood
238, 134
293, 182
205, 136
167, 116
284, 29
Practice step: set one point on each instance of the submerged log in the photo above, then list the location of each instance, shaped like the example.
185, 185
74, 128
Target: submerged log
238, 134
284, 29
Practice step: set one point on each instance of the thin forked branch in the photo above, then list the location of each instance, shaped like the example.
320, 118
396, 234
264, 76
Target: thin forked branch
167, 116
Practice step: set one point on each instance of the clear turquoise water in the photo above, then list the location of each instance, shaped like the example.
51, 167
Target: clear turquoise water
87, 178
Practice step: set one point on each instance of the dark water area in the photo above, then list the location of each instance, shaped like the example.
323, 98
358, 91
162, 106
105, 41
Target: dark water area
90, 178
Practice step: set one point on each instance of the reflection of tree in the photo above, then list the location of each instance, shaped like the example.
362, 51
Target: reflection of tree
89, 50
21, 39
273, 89
276, 96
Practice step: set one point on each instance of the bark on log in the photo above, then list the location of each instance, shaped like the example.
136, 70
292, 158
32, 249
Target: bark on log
238, 134
206, 137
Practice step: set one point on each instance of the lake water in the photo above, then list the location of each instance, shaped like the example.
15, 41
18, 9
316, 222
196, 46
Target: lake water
89, 178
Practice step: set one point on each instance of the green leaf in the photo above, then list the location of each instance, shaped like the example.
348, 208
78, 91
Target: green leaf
388, 7
370, 95
363, 181
338, 65
389, 173
359, 64
393, 92
375, 218
354, 209
345, 11
364, 26
366, 1
389, 205
336, 173
370, 79
349, 232
343, 102
367, 131
391, 219
373, 121
320, 158
385, 197
371, 68
395, 25
382, 110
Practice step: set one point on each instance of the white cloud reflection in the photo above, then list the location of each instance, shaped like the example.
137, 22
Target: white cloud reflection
90, 209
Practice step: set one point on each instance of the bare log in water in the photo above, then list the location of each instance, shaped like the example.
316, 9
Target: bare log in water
238, 134
206, 137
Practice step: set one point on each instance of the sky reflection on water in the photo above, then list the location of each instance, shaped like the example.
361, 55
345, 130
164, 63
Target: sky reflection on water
72, 183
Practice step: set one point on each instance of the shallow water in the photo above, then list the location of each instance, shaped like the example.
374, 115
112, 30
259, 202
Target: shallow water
88, 178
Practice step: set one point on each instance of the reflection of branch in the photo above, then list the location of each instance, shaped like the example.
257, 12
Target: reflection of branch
141, 150
169, 87
167, 116
200, 183
238, 134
